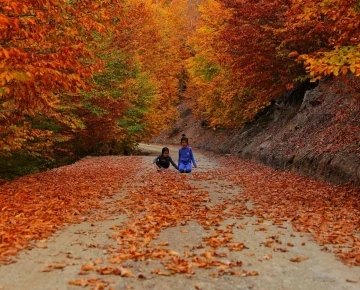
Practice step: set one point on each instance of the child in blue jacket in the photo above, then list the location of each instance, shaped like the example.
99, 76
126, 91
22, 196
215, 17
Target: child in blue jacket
186, 156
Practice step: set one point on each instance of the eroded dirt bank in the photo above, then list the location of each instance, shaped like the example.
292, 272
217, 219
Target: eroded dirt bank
311, 131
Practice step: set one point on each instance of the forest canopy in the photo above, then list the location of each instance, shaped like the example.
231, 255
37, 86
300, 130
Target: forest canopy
96, 77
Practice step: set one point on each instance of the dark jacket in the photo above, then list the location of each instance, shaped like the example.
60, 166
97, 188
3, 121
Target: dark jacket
164, 162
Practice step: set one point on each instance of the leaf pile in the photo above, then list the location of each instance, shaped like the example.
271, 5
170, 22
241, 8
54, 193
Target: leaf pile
35, 206
169, 200
330, 213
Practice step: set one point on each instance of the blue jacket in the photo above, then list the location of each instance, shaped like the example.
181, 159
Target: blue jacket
186, 155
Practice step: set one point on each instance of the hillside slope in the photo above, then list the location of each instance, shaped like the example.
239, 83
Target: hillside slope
315, 133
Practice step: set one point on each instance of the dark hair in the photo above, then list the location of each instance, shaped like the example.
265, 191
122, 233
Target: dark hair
184, 138
164, 150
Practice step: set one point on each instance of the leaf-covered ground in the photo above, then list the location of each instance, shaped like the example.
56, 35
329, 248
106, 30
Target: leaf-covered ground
35, 206
330, 213
230, 222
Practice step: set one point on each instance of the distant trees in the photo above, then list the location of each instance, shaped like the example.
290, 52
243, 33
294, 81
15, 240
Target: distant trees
79, 75
250, 52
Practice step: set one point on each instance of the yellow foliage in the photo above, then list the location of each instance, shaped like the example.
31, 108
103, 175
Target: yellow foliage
340, 60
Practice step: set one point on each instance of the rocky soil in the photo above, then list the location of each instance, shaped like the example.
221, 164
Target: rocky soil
314, 131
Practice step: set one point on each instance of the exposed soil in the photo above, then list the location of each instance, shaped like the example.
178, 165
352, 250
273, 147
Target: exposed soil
311, 131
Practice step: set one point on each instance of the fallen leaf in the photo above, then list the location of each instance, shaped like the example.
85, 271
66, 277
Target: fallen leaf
98, 261
267, 257
89, 266
351, 281
46, 269
159, 272
299, 259
173, 253
41, 246
78, 282
141, 277
125, 272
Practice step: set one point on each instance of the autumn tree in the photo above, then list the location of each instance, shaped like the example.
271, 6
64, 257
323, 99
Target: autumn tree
84, 74
324, 34
247, 53
206, 71
154, 34
237, 63
42, 70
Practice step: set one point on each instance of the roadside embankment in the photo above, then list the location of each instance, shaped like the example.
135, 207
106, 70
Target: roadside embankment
315, 133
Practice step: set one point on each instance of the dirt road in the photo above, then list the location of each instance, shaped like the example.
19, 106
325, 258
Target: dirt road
178, 231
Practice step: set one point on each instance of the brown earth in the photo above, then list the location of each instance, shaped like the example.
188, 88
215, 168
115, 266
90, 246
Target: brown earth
311, 131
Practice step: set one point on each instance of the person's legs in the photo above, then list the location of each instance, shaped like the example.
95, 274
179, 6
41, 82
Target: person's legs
161, 169
182, 168
188, 167
160, 166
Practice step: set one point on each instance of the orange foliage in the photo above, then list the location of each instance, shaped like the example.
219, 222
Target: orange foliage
147, 34
48, 60
212, 84
41, 60
248, 53
237, 59
240, 55
35, 206
326, 34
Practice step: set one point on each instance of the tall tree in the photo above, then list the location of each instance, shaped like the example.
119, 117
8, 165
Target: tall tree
42, 67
